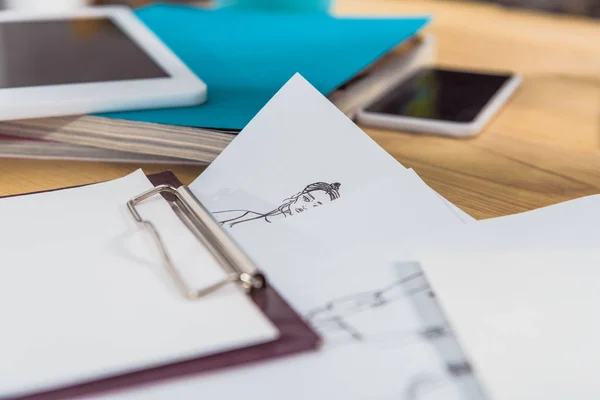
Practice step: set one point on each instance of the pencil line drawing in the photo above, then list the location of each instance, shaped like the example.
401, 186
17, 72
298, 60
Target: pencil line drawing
348, 316
419, 386
313, 195
336, 313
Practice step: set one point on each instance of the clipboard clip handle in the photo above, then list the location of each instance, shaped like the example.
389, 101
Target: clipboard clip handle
238, 266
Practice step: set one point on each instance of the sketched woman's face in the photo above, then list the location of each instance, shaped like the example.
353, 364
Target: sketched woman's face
314, 195
309, 200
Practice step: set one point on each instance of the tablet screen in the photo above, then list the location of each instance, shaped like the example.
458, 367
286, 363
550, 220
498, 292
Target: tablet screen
56, 52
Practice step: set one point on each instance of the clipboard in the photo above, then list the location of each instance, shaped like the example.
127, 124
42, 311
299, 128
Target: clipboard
295, 335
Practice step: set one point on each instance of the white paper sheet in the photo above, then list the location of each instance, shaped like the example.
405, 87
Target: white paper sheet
388, 352
83, 293
298, 138
398, 209
526, 319
569, 225
305, 238
465, 217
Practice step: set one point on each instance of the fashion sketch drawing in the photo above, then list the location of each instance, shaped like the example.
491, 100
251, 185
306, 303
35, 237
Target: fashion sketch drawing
313, 195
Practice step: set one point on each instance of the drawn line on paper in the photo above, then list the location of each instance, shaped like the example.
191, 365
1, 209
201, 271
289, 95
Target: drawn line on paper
335, 313
313, 195
421, 385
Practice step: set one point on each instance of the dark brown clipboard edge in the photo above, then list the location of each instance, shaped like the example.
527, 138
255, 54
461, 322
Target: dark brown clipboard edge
295, 337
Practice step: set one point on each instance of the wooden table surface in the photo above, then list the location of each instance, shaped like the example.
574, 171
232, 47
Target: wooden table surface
541, 149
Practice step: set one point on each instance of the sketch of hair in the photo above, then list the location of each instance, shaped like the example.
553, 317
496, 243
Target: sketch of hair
295, 204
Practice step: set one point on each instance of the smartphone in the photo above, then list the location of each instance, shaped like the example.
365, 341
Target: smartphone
441, 101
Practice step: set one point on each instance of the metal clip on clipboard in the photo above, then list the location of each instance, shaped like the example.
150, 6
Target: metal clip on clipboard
197, 218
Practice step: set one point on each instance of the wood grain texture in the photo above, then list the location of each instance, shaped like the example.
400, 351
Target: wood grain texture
541, 149
25, 176
543, 146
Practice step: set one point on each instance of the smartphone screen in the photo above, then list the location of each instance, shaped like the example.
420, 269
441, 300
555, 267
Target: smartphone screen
438, 94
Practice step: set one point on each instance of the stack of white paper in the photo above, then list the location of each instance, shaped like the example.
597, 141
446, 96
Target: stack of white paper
335, 222
301, 188
337, 225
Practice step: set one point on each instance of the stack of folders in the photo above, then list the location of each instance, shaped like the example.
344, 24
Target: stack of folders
306, 239
384, 51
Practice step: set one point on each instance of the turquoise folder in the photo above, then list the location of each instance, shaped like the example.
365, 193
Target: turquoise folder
245, 56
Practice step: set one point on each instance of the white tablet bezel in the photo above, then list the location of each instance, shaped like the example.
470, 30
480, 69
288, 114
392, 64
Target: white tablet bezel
180, 88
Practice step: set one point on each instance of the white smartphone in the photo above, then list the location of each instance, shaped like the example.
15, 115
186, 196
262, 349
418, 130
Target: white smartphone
441, 101
86, 61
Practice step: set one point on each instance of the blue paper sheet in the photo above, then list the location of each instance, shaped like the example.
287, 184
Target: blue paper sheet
245, 56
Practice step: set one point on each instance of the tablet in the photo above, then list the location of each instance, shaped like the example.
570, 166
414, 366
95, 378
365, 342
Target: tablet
86, 61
